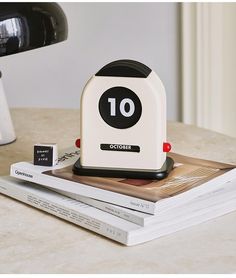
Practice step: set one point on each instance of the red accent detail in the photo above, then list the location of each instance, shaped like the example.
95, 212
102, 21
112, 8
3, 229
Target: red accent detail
77, 143
166, 147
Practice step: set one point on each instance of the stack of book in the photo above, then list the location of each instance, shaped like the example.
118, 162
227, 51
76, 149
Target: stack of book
130, 211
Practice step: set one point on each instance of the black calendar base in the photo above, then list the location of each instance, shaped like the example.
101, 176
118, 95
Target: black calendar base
118, 173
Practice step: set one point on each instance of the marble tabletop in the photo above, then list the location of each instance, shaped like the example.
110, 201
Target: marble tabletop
32, 241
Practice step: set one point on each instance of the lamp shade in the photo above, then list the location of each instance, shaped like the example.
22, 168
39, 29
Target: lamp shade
26, 26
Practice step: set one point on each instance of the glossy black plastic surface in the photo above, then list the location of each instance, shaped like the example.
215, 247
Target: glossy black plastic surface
113, 173
125, 68
26, 26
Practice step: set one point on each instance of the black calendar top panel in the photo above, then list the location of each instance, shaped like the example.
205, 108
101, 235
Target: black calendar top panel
125, 68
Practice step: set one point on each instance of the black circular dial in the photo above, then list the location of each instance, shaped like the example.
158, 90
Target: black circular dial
120, 107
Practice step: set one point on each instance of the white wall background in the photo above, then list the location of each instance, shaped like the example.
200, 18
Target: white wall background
98, 34
209, 66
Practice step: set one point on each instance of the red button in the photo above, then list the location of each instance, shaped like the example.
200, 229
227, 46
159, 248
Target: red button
166, 147
77, 143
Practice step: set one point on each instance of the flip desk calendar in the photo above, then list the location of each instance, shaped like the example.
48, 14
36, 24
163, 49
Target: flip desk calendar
123, 123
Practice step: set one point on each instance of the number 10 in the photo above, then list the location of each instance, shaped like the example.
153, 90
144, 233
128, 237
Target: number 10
124, 101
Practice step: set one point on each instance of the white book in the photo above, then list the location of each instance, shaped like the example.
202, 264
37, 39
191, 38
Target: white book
144, 219
114, 227
131, 215
187, 181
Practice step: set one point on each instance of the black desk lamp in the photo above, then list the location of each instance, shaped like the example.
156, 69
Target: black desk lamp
26, 26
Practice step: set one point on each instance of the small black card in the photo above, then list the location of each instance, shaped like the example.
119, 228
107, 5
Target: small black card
43, 155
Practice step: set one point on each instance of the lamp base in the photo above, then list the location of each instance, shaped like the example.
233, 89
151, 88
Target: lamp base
7, 133
7, 142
